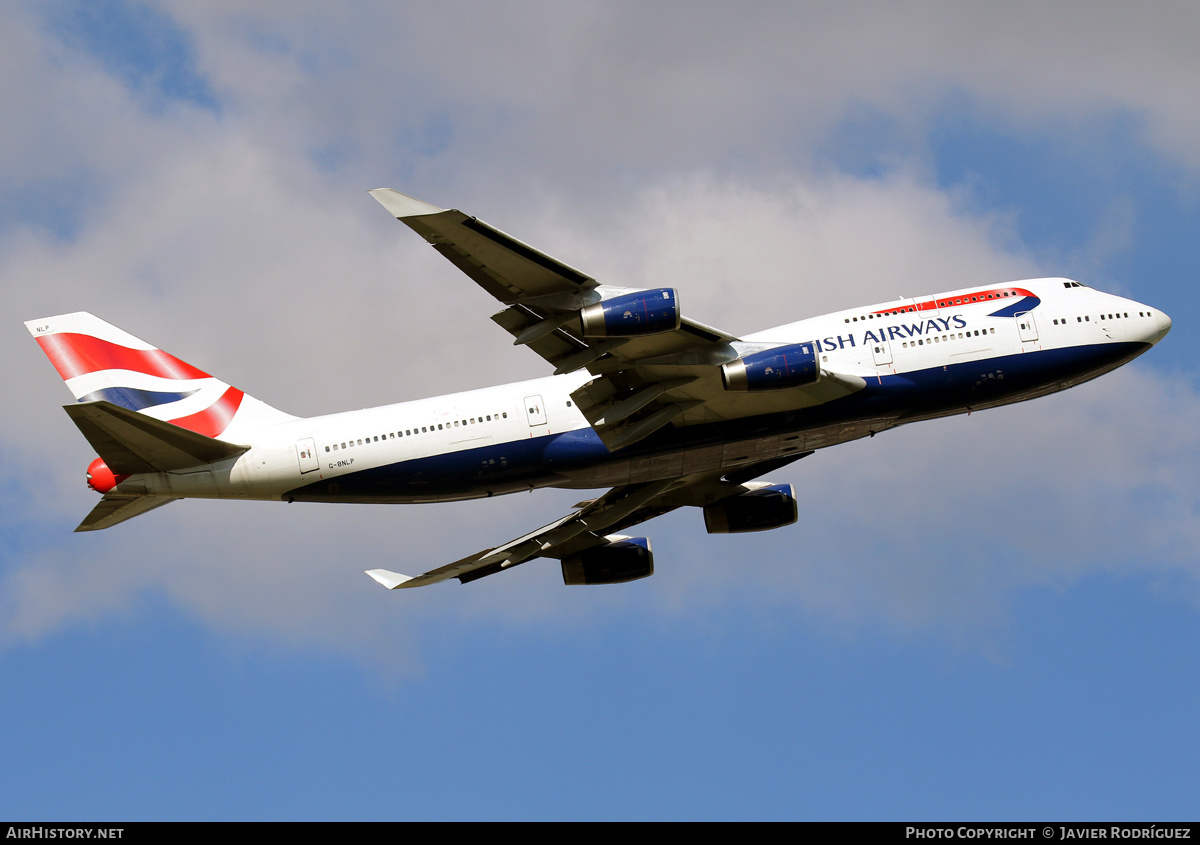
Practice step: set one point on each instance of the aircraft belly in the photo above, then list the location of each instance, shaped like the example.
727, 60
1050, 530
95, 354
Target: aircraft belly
489, 470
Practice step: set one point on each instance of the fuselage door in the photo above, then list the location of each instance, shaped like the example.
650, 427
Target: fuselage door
536, 410
306, 454
1025, 325
882, 351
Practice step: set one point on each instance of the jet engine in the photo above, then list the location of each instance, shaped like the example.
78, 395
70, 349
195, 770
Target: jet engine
772, 506
631, 314
617, 561
773, 369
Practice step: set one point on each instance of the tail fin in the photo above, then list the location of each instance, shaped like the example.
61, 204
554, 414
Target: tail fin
98, 361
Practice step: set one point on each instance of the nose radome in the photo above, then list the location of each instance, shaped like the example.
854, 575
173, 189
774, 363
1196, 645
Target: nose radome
1164, 323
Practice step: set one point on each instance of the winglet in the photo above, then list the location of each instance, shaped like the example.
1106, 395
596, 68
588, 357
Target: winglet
401, 205
391, 580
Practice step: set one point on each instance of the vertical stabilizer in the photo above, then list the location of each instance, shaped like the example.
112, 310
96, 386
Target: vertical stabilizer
99, 361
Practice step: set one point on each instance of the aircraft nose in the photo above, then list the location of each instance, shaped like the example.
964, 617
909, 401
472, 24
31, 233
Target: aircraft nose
1164, 325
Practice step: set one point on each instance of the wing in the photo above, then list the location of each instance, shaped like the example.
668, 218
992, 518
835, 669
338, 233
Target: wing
652, 367
593, 523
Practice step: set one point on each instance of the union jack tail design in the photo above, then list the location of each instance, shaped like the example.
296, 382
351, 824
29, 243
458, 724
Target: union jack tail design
98, 361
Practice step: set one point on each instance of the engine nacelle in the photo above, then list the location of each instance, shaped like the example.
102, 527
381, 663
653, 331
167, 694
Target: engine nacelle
100, 478
621, 559
774, 369
757, 510
631, 314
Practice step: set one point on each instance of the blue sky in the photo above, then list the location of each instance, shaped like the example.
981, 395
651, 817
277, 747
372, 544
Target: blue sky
988, 617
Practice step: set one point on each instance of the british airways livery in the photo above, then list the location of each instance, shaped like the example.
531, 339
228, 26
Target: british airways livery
666, 412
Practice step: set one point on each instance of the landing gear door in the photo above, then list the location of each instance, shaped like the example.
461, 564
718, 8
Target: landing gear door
306, 454
535, 410
1026, 328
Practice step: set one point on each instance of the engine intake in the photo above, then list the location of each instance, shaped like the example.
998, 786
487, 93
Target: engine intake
643, 312
774, 369
768, 507
618, 561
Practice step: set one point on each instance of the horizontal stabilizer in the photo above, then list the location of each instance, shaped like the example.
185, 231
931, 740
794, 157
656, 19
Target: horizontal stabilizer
114, 509
132, 443
391, 580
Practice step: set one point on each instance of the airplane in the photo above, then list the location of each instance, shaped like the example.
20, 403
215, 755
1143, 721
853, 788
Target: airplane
664, 411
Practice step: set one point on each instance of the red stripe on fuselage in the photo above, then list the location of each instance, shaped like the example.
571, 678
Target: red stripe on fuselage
77, 354
959, 299
216, 417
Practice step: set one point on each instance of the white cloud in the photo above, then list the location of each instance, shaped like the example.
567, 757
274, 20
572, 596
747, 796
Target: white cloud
549, 90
